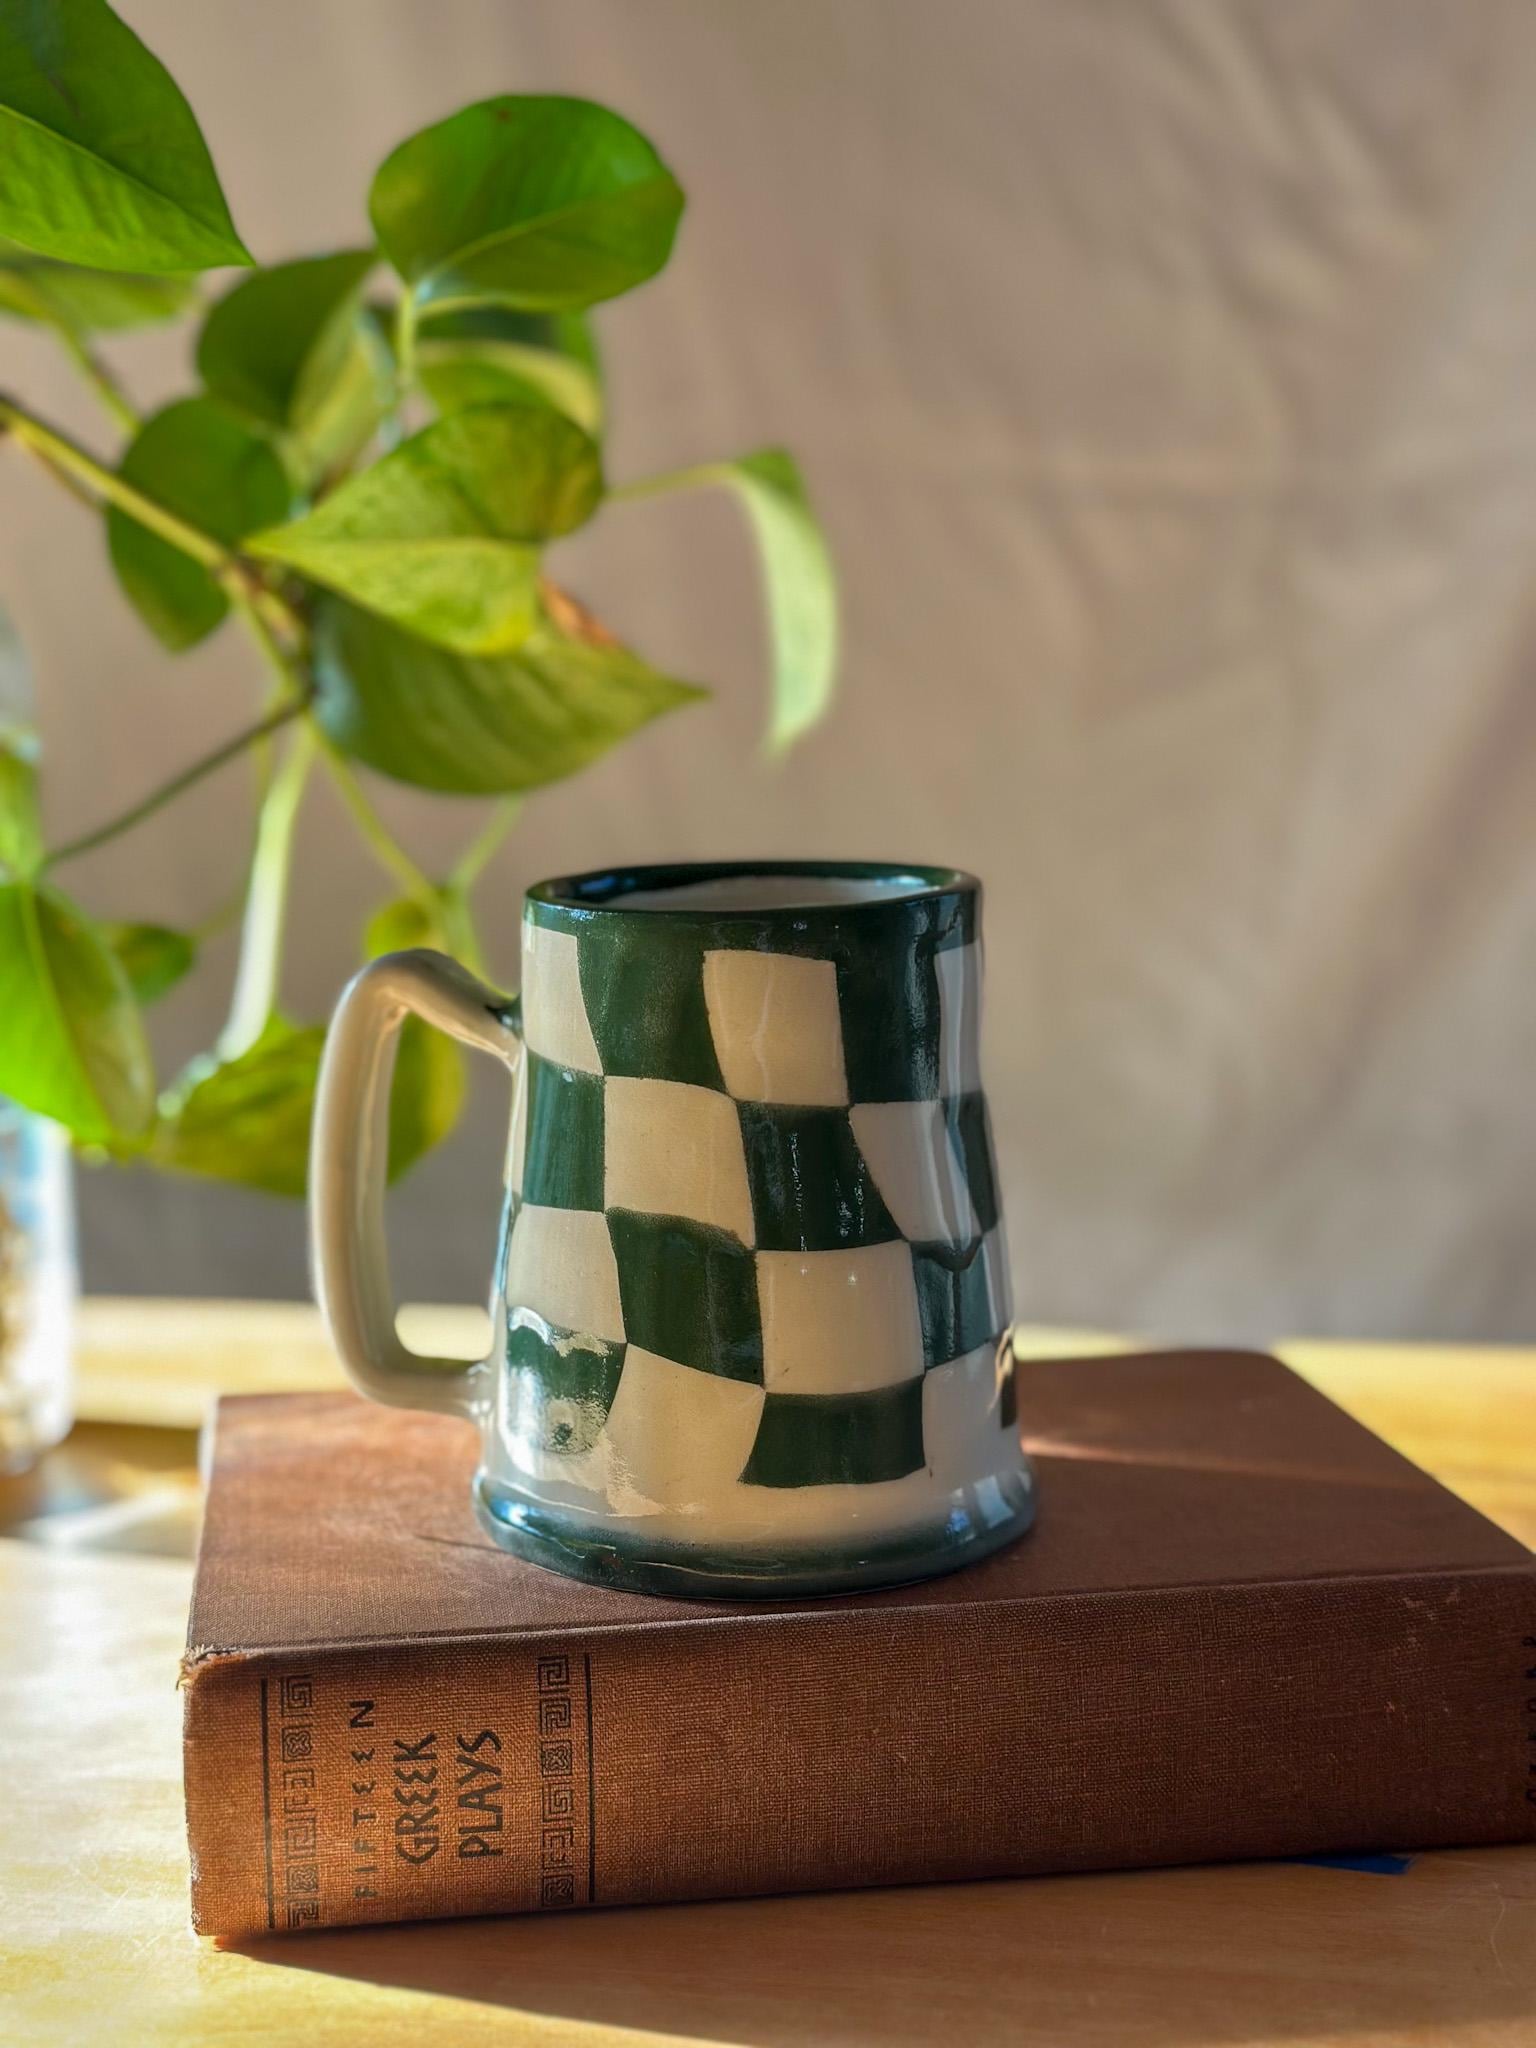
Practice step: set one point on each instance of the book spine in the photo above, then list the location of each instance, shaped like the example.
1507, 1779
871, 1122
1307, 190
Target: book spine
839, 1746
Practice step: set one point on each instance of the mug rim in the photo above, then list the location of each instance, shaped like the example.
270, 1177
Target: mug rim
604, 890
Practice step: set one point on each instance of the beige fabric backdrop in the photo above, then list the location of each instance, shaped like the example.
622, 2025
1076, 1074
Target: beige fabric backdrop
1166, 374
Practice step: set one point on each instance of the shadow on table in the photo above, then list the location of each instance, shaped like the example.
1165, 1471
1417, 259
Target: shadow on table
125, 1487
1158, 1959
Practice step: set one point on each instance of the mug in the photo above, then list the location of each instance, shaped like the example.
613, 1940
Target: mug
752, 1304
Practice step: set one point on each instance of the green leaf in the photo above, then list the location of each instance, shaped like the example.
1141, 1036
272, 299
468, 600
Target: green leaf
396, 927
246, 1119
495, 355
81, 301
343, 401
21, 832
72, 1043
261, 343
427, 1093
203, 462
481, 727
153, 956
798, 576
291, 348
437, 535
101, 159
801, 589
545, 203
426, 1096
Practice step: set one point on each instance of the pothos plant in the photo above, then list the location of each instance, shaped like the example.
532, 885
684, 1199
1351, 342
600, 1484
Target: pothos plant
380, 446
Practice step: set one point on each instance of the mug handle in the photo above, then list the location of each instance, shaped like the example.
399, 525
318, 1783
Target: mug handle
349, 1154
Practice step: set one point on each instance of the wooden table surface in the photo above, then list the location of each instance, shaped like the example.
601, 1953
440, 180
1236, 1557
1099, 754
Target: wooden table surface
94, 1941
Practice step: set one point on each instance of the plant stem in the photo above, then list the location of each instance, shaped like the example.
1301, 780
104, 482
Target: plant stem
459, 932
90, 481
287, 667
218, 920
472, 860
163, 795
261, 936
670, 480
266, 896
386, 849
62, 454
405, 344
65, 481
291, 679
114, 401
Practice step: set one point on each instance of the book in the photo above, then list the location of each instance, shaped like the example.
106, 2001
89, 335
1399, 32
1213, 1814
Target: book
1242, 1627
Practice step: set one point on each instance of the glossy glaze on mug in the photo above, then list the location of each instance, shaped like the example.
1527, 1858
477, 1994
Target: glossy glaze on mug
754, 1296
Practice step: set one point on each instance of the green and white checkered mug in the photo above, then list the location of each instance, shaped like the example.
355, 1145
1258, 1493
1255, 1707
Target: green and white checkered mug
752, 1307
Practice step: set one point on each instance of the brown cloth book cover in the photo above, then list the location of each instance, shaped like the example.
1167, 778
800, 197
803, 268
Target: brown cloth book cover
1241, 1627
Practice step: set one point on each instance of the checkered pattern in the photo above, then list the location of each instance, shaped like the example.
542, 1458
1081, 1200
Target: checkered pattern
756, 1238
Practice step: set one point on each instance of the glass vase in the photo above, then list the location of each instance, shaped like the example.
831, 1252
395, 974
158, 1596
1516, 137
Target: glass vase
38, 1286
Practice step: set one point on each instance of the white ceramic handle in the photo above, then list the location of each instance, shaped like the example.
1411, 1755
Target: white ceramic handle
350, 1154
